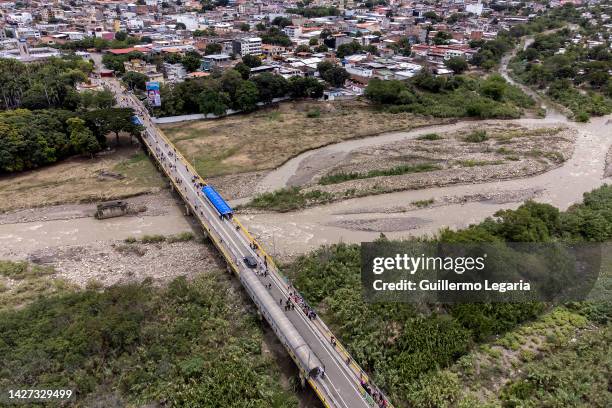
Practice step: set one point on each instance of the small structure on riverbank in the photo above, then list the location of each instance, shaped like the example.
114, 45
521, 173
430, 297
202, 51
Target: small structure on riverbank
111, 209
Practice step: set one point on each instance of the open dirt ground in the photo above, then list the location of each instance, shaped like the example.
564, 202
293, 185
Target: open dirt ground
117, 262
114, 174
269, 137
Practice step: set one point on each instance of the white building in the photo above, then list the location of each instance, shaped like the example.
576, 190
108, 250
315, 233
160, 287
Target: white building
174, 72
19, 18
250, 46
474, 8
293, 31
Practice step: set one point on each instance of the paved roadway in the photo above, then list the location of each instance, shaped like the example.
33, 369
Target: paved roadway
340, 386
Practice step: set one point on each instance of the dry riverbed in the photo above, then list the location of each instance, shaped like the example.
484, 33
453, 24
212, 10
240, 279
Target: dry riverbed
117, 262
507, 151
267, 138
463, 153
111, 175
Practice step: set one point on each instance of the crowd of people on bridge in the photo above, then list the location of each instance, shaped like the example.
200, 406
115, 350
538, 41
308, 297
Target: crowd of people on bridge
376, 395
296, 298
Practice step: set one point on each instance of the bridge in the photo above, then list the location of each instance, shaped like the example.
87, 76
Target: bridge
322, 361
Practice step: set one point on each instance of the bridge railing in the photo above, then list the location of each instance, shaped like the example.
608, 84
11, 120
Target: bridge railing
359, 373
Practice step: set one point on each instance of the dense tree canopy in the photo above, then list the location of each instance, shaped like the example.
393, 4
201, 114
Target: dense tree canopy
578, 78
191, 61
31, 139
175, 345
234, 89
135, 80
41, 85
427, 337
457, 64
276, 37
59, 121
447, 97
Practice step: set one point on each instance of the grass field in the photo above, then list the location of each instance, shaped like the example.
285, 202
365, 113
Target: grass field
267, 138
78, 180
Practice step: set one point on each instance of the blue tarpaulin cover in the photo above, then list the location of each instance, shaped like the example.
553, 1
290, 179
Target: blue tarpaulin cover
217, 201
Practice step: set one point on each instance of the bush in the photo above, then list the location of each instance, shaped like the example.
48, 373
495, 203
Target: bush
152, 239
313, 113
477, 136
182, 237
430, 136
177, 346
288, 199
582, 116
459, 96
394, 171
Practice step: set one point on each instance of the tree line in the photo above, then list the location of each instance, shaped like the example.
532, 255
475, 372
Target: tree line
45, 85
402, 344
46, 120
229, 90
578, 78
457, 96
34, 138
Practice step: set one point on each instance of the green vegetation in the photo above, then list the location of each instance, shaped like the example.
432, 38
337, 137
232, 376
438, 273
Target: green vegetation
122, 40
48, 85
275, 36
490, 52
572, 74
430, 136
153, 239
334, 75
404, 346
477, 136
309, 12
47, 120
288, 199
115, 62
215, 95
577, 375
476, 163
135, 80
313, 113
394, 171
459, 96
423, 203
138, 344
22, 283
31, 139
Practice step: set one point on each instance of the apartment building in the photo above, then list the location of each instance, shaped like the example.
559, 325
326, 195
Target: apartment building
247, 46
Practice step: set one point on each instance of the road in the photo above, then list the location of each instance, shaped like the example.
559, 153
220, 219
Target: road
341, 384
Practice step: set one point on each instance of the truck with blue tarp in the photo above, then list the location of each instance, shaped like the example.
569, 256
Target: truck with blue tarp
217, 201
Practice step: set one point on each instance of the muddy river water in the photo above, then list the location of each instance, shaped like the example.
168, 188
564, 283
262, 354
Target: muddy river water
363, 219
17, 240
358, 219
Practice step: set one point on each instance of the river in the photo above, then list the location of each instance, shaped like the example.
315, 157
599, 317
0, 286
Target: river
363, 219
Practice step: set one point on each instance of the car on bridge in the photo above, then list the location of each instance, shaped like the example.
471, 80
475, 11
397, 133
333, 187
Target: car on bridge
250, 261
